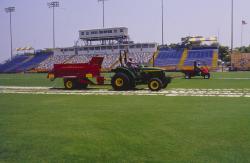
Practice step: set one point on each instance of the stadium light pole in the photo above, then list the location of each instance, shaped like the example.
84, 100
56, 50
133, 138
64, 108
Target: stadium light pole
53, 5
103, 12
232, 26
232, 32
10, 10
162, 22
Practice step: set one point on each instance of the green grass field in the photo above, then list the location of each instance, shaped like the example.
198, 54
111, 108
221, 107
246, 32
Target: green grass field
216, 81
73, 128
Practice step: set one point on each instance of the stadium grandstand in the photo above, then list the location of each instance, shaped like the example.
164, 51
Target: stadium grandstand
108, 43
183, 56
24, 62
95, 42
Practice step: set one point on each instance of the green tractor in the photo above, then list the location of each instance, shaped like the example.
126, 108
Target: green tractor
128, 75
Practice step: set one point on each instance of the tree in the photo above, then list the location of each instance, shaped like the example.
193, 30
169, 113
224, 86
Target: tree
224, 53
244, 49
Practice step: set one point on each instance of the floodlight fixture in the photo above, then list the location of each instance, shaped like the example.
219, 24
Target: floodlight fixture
53, 4
10, 9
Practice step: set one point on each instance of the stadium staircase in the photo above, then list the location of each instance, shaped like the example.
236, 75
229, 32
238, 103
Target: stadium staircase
155, 55
215, 60
183, 58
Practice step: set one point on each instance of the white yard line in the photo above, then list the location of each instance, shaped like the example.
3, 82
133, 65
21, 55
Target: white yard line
231, 78
168, 93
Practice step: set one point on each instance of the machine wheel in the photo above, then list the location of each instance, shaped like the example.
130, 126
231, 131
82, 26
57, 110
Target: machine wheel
187, 76
164, 85
166, 82
69, 83
120, 82
155, 84
82, 86
207, 76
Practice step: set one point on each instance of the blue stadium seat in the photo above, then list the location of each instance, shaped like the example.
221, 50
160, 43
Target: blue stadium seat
203, 55
6, 67
168, 57
33, 63
23, 63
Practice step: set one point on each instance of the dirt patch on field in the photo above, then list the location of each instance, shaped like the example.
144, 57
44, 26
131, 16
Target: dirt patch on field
144, 92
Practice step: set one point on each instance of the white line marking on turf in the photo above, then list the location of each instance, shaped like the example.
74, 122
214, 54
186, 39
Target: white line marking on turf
232, 78
169, 92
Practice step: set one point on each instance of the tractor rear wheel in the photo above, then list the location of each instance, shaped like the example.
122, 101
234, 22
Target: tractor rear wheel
69, 83
120, 82
155, 84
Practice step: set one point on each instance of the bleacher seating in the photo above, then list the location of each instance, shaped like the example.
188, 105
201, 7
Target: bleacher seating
176, 59
109, 59
205, 57
79, 59
24, 62
141, 58
168, 57
32, 63
11, 64
48, 64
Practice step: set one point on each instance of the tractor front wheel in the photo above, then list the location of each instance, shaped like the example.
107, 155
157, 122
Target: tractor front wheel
120, 82
155, 84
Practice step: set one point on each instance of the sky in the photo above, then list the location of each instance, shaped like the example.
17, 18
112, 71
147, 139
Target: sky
32, 21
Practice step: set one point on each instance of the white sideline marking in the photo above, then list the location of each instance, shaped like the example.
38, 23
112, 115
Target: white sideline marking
145, 92
232, 78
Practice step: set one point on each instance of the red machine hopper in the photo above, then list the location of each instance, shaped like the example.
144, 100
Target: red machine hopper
77, 75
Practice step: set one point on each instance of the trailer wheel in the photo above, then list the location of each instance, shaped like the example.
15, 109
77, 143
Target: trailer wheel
207, 76
155, 84
69, 83
120, 82
187, 76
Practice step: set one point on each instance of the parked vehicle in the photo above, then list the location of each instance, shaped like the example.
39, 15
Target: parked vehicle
199, 69
126, 76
